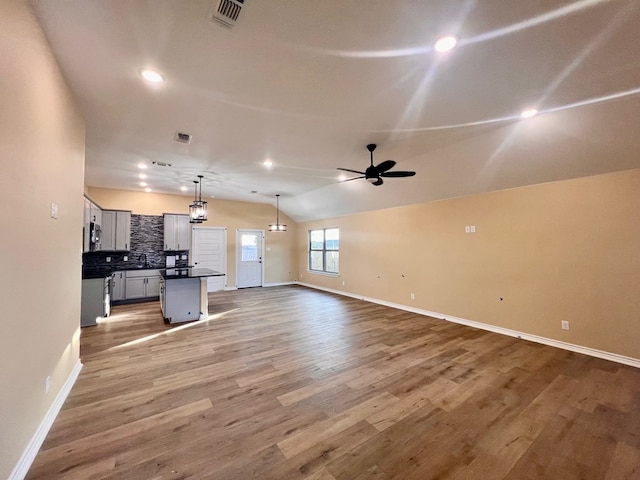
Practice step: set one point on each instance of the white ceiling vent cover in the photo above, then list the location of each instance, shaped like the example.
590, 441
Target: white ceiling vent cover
182, 137
227, 11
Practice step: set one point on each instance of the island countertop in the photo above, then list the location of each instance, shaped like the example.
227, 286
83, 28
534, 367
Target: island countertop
190, 272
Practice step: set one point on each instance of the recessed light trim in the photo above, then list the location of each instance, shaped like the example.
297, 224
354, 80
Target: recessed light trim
529, 112
151, 76
142, 176
143, 184
143, 166
268, 163
148, 190
183, 188
444, 44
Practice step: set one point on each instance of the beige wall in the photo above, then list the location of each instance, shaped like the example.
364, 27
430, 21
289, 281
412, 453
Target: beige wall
279, 262
41, 161
558, 251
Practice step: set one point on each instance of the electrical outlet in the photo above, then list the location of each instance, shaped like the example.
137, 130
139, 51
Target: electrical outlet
473, 228
467, 229
47, 384
108, 259
413, 296
564, 324
54, 210
126, 259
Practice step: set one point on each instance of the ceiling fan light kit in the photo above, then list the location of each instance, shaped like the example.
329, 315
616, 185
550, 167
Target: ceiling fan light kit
374, 173
198, 209
277, 227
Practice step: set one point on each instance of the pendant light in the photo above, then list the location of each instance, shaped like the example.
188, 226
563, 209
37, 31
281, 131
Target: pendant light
277, 227
198, 209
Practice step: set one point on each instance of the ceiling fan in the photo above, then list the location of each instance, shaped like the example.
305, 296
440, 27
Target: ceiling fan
374, 173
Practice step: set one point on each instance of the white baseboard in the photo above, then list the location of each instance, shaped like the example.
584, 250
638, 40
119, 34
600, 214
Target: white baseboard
275, 284
614, 357
22, 468
278, 284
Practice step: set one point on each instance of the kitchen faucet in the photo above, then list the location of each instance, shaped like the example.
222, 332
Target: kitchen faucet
143, 258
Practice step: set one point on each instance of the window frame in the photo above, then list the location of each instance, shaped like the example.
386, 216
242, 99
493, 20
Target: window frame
324, 251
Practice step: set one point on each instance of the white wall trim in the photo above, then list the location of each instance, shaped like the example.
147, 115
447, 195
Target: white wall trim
279, 284
28, 456
614, 357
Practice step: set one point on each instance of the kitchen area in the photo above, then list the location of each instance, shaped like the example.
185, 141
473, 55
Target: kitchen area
129, 258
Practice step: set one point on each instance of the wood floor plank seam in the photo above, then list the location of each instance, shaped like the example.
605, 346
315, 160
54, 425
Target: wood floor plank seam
291, 383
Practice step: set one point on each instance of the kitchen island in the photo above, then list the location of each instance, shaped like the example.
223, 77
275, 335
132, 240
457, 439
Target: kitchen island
183, 293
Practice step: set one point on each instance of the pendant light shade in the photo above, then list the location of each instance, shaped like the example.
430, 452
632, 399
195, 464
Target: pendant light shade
277, 227
198, 209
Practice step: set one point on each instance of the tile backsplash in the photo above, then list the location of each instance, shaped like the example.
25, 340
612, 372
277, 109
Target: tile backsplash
147, 239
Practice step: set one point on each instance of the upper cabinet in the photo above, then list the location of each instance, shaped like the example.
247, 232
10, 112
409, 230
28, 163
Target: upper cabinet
92, 215
177, 230
116, 230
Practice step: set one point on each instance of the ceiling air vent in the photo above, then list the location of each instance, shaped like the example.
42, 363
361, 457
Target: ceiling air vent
182, 137
227, 11
161, 164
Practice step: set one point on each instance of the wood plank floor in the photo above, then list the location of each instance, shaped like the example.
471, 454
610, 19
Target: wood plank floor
293, 383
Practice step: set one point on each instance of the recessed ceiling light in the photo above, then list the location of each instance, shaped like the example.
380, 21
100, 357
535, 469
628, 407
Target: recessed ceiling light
148, 190
142, 176
152, 76
142, 166
183, 188
143, 184
268, 163
445, 44
342, 177
528, 113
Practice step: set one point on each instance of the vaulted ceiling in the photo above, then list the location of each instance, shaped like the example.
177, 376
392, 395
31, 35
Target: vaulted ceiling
307, 84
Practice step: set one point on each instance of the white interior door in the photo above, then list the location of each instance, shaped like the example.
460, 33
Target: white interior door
209, 249
249, 272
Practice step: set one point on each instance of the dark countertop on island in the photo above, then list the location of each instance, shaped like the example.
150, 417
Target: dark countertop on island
189, 272
101, 271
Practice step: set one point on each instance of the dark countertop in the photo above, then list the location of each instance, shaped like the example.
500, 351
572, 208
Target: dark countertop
189, 272
101, 271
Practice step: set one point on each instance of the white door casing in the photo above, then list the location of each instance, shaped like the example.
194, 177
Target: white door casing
249, 258
209, 249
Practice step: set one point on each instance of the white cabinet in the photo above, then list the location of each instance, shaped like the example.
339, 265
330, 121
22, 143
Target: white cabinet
123, 230
92, 214
116, 230
117, 286
180, 299
85, 225
142, 284
177, 230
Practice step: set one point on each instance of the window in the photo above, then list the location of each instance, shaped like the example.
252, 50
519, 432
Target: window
249, 248
324, 246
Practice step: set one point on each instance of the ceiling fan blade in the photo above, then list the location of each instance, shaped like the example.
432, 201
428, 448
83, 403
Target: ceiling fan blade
377, 182
384, 166
349, 179
349, 170
399, 173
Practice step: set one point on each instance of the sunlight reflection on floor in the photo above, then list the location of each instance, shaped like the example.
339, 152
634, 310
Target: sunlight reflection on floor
167, 332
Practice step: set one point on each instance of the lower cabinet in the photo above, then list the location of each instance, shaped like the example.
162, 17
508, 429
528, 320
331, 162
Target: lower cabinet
117, 286
142, 284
